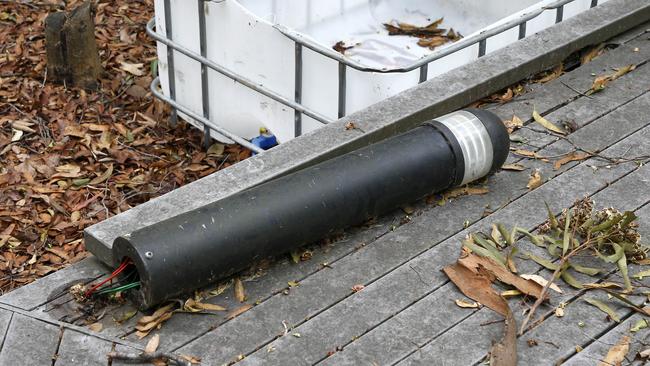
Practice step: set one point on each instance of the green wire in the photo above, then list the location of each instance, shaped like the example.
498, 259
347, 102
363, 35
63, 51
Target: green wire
120, 288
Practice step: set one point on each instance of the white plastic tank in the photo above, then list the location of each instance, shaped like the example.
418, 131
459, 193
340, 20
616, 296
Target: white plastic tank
256, 39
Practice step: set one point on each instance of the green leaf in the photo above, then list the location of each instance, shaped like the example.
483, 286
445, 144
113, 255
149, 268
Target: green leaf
566, 239
641, 324
490, 246
604, 308
614, 258
552, 248
483, 252
551, 218
607, 224
622, 266
80, 182
586, 270
642, 274
535, 239
570, 280
628, 218
543, 262
154, 68
295, 256
505, 234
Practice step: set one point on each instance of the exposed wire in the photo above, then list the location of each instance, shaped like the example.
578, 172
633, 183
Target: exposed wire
109, 278
119, 288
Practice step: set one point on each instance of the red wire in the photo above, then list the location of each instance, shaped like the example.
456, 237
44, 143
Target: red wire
115, 273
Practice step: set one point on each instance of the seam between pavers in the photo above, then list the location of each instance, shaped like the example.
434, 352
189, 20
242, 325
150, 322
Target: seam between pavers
591, 28
431, 293
575, 297
614, 144
70, 326
392, 269
4, 338
55, 355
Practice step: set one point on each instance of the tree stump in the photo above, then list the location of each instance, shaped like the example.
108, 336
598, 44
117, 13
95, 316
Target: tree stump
71, 48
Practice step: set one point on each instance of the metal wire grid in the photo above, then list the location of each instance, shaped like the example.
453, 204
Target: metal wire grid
343, 63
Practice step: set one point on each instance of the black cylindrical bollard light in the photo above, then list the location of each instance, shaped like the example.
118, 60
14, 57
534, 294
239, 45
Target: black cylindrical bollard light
196, 248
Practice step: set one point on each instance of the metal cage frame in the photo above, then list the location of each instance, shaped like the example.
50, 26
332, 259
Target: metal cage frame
343, 63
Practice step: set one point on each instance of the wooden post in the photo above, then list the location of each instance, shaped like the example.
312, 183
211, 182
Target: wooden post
71, 47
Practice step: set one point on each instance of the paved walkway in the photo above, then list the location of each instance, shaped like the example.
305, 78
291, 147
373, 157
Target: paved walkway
406, 312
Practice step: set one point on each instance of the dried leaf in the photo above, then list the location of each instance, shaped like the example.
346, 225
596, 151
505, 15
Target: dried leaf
604, 308
602, 285
157, 314
617, 353
477, 286
235, 313
293, 284
134, 69
466, 304
104, 176
357, 288
547, 124
240, 295
542, 282
535, 180
574, 156
515, 167
592, 53
526, 153
481, 264
96, 327
513, 124
17, 135
152, 345
601, 81
196, 306
511, 293
553, 74
559, 311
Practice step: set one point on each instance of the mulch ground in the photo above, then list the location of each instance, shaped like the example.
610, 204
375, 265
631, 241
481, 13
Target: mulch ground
70, 158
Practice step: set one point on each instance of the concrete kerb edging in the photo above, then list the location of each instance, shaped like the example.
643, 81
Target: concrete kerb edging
433, 98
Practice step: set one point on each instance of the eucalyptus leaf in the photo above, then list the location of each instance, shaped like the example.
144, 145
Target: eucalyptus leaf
505, 234
543, 262
570, 280
535, 239
622, 266
566, 239
498, 258
614, 258
604, 308
551, 218
628, 218
607, 224
586, 270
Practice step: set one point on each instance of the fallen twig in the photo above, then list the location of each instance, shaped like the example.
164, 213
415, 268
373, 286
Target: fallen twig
556, 274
